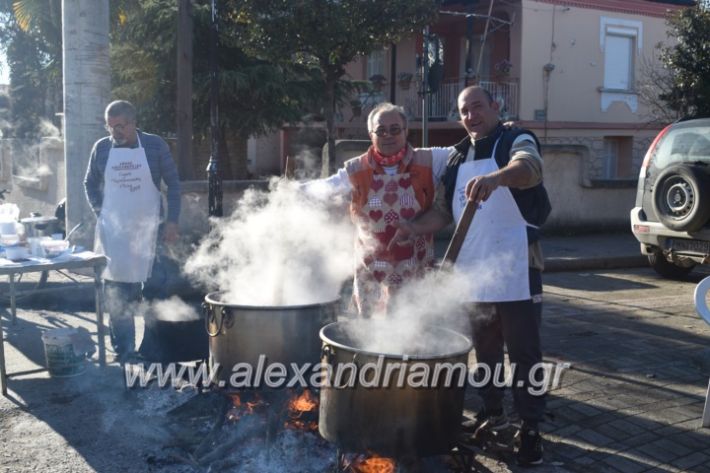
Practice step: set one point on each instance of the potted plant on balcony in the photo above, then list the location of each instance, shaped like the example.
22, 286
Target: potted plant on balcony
502, 70
404, 79
356, 107
378, 82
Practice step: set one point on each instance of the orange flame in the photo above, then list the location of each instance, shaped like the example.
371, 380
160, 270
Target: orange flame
375, 464
241, 408
236, 400
297, 407
306, 402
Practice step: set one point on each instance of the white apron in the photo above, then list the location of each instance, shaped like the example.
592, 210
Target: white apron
495, 251
127, 226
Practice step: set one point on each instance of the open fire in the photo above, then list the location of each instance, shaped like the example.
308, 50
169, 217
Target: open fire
241, 408
277, 432
371, 464
303, 412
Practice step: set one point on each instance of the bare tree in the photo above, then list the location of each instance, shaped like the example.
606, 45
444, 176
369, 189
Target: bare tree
656, 82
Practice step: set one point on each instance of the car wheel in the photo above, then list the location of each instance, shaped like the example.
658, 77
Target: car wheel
667, 269
681, 198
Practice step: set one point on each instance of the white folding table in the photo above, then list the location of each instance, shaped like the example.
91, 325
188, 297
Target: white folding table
14, 270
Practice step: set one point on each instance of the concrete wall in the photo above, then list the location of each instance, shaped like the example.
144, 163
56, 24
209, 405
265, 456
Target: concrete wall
33, 188
575, 199
264, 155
39, 190
576, 204
194, 222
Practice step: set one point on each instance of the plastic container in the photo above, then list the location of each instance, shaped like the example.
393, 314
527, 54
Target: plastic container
35, 247
8, 228
54, 248
60, 353
9, 239
16, 252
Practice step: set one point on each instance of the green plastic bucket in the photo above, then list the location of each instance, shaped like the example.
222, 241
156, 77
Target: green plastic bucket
62, 359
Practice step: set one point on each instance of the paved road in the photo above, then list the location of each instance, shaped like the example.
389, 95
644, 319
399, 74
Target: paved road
640, 361
631, 401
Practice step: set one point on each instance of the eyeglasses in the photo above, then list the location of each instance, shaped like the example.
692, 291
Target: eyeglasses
118, 128
394, 130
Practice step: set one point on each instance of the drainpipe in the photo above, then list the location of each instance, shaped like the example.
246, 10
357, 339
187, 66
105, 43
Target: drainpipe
214, 189
547, 70
425, 88
393, 73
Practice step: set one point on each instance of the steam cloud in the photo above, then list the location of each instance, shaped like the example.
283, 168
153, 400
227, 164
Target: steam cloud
284, 247
174, 310
419, 309
438, 300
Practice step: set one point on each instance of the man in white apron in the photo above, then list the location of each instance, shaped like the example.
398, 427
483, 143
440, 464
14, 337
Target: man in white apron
500, 168
122, 185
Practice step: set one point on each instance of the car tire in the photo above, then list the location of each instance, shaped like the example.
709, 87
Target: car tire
667, 269
681, 198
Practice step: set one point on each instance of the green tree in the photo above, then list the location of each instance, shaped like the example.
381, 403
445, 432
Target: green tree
327, 35
688, 61
30, 35
255, 96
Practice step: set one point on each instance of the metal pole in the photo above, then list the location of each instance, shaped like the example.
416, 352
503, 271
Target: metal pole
214, 191
425, 88
393, 73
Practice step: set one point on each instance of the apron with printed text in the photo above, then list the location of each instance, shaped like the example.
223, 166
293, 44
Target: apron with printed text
127, 226
495, 251
380, 272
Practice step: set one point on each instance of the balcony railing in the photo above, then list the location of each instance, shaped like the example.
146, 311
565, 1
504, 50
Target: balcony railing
442, 104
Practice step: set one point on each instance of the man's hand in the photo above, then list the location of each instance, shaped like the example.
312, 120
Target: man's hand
403, 235
170, 232
480, 188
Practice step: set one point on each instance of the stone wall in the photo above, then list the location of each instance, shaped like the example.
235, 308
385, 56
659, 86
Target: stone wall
574, 168
595, 158
581, 194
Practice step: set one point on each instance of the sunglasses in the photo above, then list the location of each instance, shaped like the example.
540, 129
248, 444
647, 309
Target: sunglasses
394, 130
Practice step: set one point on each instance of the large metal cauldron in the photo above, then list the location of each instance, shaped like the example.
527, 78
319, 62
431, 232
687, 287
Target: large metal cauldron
391, 420
283, 334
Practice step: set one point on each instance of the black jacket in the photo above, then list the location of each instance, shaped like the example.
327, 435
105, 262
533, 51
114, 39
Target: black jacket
533, 202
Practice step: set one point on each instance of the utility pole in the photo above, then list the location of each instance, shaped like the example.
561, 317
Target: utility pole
184, 90
214, 191
425, 88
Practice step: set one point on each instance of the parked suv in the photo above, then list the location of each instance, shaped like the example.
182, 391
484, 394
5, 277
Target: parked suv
672, 209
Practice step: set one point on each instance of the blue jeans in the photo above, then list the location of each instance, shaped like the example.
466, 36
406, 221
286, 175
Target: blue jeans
122, 299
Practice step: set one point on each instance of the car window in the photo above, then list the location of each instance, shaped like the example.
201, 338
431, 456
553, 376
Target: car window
686, 144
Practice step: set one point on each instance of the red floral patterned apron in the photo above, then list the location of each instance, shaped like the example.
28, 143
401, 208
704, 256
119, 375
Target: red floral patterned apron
380, 272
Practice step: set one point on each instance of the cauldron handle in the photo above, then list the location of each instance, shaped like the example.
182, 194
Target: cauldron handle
326, 352
210, 317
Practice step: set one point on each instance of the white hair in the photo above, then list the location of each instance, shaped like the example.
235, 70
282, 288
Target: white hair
385, 107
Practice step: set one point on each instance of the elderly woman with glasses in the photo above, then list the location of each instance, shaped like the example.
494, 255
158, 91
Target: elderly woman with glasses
389, 184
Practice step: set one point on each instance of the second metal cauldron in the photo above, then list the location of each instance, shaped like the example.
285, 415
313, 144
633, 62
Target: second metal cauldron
283, 334
392, 420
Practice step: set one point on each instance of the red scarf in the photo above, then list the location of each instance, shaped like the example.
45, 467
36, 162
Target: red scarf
392, 160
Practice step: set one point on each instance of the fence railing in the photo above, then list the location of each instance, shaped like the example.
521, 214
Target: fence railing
442, 104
